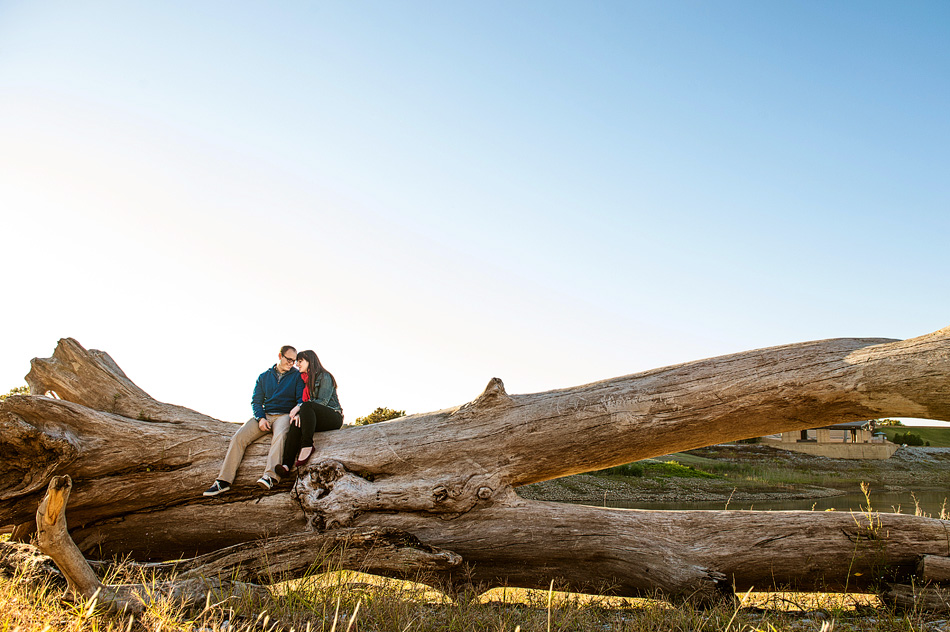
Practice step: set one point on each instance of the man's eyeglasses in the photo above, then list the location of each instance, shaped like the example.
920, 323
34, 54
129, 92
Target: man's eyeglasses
291, 360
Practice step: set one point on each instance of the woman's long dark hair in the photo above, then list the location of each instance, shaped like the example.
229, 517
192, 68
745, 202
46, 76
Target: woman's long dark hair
314, 370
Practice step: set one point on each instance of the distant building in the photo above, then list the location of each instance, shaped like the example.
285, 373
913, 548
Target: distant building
852, 440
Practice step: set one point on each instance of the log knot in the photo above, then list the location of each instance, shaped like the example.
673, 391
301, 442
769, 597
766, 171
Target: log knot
324, 474
332, 496
329, 495
707, 587
493, 397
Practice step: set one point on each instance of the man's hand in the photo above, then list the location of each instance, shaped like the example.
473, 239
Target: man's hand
295, 420
263, 424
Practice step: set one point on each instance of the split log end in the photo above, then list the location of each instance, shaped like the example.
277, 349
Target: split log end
57, 495
934, 568
917, 598
39, 451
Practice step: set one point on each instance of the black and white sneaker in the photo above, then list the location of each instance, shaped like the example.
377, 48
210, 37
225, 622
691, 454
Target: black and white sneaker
266, 482
218, 487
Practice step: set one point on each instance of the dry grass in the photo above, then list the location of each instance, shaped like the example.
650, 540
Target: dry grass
341, 601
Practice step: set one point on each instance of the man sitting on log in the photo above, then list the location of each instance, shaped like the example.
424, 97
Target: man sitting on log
277, 391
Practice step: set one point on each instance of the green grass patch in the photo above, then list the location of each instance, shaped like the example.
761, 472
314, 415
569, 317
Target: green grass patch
673, 468
651, 468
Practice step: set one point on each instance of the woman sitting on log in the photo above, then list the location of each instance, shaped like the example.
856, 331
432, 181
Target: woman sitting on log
319, 412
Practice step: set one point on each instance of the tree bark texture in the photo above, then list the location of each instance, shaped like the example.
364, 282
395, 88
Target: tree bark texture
448, 477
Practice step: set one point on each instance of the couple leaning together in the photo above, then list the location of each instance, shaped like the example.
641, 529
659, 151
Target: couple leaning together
291, 403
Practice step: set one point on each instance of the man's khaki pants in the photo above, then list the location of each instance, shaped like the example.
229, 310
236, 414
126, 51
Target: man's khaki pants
248, 434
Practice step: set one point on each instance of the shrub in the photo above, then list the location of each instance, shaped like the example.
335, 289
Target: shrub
16, 390
908, 438
889, 422
378, 415
628, 469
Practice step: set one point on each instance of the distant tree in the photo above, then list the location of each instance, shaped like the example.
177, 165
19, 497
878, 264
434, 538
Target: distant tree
16, 390
378, 415
889, 422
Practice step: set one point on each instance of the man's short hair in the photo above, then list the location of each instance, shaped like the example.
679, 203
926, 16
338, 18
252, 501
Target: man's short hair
286, 348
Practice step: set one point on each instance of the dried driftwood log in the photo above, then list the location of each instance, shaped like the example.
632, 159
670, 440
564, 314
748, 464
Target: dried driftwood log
448, 477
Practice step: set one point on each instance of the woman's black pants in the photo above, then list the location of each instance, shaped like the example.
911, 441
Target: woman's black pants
314, 417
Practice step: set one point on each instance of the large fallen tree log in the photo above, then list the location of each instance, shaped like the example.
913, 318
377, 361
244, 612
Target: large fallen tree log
448, 477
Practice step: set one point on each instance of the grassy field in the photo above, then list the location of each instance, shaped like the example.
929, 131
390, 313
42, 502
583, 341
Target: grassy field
691, 465
938, 437
351, 601
774, 467
749, 473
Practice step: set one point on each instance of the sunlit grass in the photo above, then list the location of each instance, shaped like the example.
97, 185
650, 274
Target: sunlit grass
348, 600
343, 600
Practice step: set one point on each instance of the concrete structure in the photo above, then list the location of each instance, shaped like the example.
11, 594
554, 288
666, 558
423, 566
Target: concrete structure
854, 440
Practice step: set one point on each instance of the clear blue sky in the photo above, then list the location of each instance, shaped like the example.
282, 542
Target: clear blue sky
431, 194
